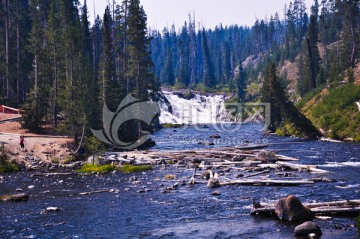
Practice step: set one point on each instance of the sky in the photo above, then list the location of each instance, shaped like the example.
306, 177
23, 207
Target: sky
209, 13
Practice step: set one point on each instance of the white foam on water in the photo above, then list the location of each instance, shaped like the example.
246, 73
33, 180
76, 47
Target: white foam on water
343, 164
312, 157
349, 186
330, 140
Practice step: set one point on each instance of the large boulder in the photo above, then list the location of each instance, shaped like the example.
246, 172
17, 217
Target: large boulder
291, 209
266, 156
307, 228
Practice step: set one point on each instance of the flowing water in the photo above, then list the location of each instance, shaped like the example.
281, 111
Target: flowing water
189, 212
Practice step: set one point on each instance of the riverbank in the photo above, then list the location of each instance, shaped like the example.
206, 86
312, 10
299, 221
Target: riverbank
160, 203
40, 150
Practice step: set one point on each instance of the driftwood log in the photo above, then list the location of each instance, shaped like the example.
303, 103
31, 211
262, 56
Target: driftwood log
334, 208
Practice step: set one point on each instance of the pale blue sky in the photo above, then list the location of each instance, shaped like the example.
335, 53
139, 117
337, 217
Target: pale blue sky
209, 13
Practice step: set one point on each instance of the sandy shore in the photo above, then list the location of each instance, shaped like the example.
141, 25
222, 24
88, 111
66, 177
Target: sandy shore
47, 148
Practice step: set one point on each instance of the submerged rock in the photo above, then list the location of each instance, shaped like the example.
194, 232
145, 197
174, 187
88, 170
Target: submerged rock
206, 143
291, 209
308, 228
216, 193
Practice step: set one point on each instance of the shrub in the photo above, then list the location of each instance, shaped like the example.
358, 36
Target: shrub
127, 168
94, 146
5, 165
337, 113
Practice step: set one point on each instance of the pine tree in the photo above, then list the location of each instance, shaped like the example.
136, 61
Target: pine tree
143, 84
209, 76
227, 63
168, 71
37, 102
313, 50
240, 79
107, 68
91, 100
282, 110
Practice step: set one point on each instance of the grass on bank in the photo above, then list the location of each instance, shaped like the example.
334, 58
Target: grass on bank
95, 168
169, 125
127, 168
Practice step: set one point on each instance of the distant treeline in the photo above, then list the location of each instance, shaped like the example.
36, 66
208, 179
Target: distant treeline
185, 57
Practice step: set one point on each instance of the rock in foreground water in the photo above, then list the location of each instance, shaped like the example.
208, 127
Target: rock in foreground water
291, 209
266, 157
308, 228
21, 197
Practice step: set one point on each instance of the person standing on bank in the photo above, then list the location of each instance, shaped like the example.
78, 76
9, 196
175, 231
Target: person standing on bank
22, 142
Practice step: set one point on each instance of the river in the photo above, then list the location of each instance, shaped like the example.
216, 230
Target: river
189, 212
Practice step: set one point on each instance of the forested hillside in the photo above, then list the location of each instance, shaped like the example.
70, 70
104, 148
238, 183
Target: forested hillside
185, 57
313, 47
61, 70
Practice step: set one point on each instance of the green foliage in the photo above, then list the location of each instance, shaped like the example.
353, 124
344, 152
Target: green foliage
350, 75
189, 95
94, 168
127, 168
283, 112
209, 75
337, 113
308, 97
5, 165
94, 146
69, 159
358, 223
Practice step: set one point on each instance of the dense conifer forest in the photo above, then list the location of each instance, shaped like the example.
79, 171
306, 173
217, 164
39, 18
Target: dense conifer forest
61, 69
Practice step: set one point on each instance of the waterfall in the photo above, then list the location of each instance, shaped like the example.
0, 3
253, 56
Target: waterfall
198, 109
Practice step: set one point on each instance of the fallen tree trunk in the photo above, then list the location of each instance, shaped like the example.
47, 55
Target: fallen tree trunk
48, 174
256, 174
310, 168
335, 208
266, 182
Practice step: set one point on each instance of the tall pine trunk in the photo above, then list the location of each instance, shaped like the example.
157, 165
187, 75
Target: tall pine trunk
18, 56
311, 60
55, 89
7, 12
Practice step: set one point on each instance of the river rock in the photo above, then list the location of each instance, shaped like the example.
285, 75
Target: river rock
148, 144
21, 197
206, 143
205, 174
216, 193
215, 136
213, 183
291, 209
308, 228
266, 157
170, 176
133, 178
50, 209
